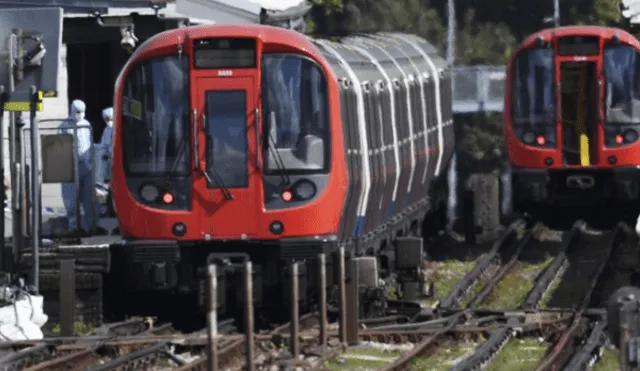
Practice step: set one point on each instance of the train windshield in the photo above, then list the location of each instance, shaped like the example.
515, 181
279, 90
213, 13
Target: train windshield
295, 114
622, 90
155, 117
533, 100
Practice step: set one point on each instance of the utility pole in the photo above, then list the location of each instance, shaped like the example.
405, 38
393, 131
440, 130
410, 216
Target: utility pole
556, 15
452, 173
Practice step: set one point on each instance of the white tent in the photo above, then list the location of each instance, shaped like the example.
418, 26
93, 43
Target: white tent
284, 13
631, 10
244, 11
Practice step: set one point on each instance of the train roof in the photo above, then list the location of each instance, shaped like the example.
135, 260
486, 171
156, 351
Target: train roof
268, 34
602, 31
399, 55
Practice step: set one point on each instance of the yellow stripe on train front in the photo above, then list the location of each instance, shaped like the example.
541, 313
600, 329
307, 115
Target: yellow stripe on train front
581, 129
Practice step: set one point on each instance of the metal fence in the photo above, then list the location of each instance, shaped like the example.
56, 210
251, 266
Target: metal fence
58, 164
478, 88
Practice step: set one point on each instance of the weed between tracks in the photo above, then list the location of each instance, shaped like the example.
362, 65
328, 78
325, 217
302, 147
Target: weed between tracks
362, 358
477, 287
519, 354
608, 362
516, 284
444, 276
445, 356
79, 329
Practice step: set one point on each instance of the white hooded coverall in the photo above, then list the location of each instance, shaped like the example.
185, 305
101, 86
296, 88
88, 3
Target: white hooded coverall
83, 144
103, 173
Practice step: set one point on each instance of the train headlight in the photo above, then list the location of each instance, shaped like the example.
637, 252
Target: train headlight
276, 227
304, 190
528, 138
630, 136
149, 193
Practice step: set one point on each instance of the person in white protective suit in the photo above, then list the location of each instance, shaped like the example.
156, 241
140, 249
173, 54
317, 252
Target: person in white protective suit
84, 144
105, 148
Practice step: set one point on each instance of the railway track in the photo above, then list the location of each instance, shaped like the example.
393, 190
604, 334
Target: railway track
568, 282
134, 345
558, 308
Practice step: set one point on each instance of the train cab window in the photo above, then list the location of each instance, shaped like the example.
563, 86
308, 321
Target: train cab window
622, 88
295, 114
533, 97
155, 117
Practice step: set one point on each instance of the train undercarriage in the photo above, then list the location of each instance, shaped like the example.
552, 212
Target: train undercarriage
146, 276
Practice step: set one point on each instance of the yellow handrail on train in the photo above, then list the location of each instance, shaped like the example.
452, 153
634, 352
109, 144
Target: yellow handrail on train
581, 116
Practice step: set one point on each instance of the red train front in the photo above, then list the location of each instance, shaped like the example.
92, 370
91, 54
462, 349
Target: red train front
214, 188
208, 150
572, 117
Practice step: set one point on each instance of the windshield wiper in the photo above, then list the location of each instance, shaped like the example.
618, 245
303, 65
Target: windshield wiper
178, 159
217, 180
271, 145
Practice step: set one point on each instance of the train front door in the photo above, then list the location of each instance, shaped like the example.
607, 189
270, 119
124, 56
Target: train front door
227, 191
578, 101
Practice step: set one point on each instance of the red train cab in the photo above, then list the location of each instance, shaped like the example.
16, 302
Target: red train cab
204, 149
572, 117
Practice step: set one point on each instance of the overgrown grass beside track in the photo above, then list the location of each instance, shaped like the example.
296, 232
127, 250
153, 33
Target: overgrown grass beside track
443, 276
444, 357
519, 354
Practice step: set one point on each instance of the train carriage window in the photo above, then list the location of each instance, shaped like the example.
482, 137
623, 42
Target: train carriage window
299, 136
399, 109
155, 117
428, 82
344, 112
368, 114
416, 107
622, 88
432, 116
345, 115
385, 103
449, 95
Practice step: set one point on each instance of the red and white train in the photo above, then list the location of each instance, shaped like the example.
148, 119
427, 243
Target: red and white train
260, 142
572, 118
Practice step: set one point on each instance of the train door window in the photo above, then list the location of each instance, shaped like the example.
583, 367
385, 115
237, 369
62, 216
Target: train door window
380, 133
397, 93
356, 157
443, 92
344, 111
404, 122
416, 105
377, 177
385, 111
433, 117
419, 132
226, 131
371, 144
449, 96
368, 114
